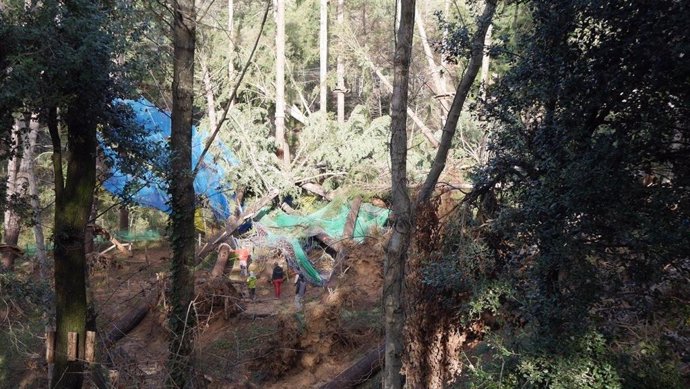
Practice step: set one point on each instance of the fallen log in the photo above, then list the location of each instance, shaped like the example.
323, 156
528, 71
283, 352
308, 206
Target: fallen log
351, 220
130, 319
234, 223
317, 190
328, 240
223, 256
360, 371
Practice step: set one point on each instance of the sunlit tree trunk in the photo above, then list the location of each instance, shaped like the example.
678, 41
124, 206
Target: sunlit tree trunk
231, 43
463, 89
396, 251
11, 222
484, 77
323, 55
340, 66
36, 205
281, 143
182, 320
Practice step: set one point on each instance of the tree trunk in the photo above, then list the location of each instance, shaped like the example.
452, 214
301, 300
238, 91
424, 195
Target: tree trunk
17, 185
281, 143
323, 55
231, 42
456, 108
359, 372
123, 219
485, 65
396, 251
340, 66
73, 202
210, 97
182, 320
36, 207
428, 134
439, 84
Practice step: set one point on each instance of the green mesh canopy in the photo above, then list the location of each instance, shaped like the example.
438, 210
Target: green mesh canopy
286, 231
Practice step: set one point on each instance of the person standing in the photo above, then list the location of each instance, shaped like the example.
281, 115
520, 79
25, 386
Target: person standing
277, 278
300, 290
251, 285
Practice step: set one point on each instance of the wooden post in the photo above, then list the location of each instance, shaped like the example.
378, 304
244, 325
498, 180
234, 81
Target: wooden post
90, 346
72, 343
351, 220
50, 345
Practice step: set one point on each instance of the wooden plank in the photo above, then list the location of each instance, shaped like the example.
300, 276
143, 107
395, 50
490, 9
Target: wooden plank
72, 344
50, 346
351, 220
90, 346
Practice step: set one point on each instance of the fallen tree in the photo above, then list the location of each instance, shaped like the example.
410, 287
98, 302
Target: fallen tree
360, 371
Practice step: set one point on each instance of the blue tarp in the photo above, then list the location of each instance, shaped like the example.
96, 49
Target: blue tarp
209, 184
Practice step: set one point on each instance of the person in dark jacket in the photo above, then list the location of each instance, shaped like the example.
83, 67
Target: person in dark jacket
277, 279
300, 290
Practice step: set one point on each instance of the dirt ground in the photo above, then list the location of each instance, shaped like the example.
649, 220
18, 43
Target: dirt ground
266, 343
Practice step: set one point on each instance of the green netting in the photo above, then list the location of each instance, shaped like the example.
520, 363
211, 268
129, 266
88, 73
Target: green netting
286, 231
330, 219
138, 236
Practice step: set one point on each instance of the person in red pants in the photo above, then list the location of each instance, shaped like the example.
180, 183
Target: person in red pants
277, 278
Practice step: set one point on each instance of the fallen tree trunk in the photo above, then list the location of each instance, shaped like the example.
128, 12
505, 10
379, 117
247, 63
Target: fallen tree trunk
351, 220
130, 320
223, 256
317, 190
360, 371
233, 224
329, 241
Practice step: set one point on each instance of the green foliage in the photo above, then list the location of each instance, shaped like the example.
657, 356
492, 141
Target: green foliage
586, 197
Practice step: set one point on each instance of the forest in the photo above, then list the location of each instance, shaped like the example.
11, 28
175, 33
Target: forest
345, 194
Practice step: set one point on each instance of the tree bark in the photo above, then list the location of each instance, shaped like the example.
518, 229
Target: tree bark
428, 133
36, 206
323, 55
484, 77
210, 97
123, 219
340, 66
439, 83
73, 202
281, 143
396, 250
18, 171
456, 108
360, 371
182, 320
231, 42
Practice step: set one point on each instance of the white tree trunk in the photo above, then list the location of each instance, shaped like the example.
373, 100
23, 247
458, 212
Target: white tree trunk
231, 43
485, 64
17, 184
323, 54
208, 89
340, 66
35, 203
281, 143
